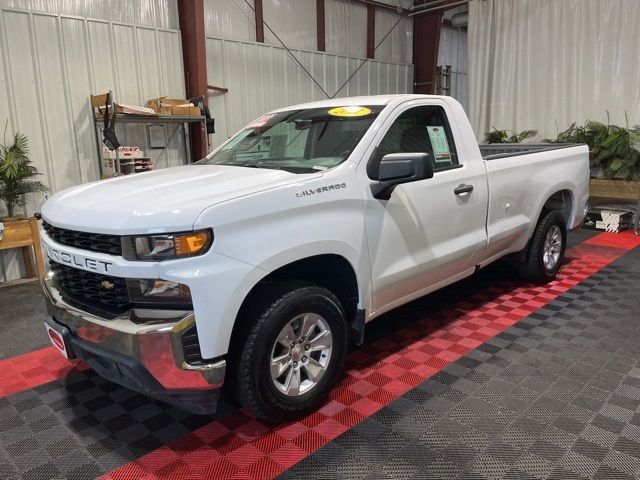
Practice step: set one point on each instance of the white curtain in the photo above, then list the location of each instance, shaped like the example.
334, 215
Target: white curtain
453, 51
543, 64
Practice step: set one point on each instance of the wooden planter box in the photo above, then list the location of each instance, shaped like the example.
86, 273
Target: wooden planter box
615, 189
24, 234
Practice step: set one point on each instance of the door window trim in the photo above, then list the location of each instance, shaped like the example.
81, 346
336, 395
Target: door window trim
409, 104
447, 168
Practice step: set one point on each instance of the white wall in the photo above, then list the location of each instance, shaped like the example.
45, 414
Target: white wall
153, 13
538, 64
50, 63
263, 77
345, 28
398, 46
294, 22
232, 19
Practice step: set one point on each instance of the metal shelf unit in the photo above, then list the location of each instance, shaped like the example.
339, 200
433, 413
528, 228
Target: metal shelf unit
106, 103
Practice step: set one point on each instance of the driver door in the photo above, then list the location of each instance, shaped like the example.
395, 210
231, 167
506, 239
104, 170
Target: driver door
426, 235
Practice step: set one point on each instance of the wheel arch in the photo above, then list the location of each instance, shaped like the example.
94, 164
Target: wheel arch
563, 200
332, 271
560, 197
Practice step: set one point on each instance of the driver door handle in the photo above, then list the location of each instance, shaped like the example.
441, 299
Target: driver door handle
463, 189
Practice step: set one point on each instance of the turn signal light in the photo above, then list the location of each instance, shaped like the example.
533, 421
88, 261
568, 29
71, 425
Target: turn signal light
191, 244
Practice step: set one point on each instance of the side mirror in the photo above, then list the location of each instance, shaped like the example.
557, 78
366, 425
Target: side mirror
397, 168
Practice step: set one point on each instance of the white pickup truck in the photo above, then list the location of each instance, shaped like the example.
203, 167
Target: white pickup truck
260, 264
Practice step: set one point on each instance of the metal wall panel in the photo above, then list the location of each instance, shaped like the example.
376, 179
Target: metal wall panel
232, 19
262, 77
156, 13
398, 46
294, 22
51, 63
346, 28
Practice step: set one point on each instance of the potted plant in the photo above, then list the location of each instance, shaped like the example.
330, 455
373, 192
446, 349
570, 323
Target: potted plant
17, 175
508, 136
614, 154
17, 179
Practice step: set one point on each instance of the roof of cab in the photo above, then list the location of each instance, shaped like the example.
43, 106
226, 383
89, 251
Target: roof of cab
351, 101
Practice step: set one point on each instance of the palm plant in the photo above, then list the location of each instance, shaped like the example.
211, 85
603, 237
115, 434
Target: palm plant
508, 136
614, 148
16, 174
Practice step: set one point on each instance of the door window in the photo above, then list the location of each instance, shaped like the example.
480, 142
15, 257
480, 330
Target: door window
422, 129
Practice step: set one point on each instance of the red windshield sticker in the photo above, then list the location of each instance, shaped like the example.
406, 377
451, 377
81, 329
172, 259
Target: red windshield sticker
262, 121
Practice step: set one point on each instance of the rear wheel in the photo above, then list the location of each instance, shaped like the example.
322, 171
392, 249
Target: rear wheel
546, 248
293, 351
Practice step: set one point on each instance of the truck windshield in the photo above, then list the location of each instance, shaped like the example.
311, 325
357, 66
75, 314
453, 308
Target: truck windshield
298, 141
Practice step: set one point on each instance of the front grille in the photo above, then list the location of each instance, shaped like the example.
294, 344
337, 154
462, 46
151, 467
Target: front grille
191, 346
91, 291
93, 242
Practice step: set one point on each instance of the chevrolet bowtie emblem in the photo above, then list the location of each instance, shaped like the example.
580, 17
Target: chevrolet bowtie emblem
106, 284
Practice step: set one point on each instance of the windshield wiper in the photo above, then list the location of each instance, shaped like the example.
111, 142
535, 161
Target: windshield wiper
287, 168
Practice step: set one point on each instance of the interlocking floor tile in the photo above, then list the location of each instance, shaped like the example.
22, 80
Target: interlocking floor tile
570, 397
487, 346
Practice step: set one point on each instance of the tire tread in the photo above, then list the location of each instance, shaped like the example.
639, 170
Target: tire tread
532, 268
263, 307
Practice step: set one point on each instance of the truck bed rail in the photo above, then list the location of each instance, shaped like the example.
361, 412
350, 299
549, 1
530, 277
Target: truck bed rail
502, 150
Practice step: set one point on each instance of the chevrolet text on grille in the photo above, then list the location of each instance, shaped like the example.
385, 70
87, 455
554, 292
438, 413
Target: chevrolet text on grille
78, 261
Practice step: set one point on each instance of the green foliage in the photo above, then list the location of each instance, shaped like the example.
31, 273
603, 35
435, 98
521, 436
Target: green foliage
614, 148
16, 174
508, 136
496, 136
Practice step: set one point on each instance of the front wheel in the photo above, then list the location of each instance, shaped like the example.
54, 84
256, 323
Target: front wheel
293, 353
546, 248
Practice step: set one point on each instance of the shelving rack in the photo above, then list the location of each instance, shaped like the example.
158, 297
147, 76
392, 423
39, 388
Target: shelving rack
106, 102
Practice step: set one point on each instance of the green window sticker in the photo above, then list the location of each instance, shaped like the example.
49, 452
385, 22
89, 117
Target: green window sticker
439, 143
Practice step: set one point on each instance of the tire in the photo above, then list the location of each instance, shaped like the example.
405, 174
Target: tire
295, 304
535, 268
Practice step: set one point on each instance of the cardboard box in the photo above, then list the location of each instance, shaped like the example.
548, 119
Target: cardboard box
188, 109
166, 105
133, 109
157, 106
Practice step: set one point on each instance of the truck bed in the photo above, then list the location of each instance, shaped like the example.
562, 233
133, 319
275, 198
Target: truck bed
502, 150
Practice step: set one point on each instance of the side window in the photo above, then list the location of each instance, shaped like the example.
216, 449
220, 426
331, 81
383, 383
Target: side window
420, 129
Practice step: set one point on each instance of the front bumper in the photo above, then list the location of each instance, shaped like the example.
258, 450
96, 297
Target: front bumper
141, 350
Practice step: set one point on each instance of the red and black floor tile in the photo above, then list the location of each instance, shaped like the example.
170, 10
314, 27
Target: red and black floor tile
489, 378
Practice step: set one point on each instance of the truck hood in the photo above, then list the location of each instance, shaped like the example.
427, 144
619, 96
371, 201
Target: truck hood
154, 202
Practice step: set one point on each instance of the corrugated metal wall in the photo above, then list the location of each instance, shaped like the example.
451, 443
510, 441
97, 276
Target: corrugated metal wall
153, 13
263, 77
294, 21
50, 64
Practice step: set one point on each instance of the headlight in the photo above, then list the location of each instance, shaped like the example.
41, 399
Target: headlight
157, 291
166, 247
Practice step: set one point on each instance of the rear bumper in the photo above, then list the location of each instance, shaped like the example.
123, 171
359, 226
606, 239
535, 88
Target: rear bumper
141, 350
